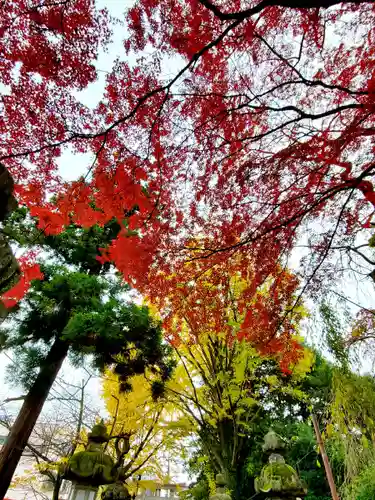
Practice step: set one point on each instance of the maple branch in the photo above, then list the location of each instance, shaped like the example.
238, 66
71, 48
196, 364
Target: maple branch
293, 4
306, 81
348, 248
254, 236
304, 114
238, 18
355, 249
318, 266
140, 102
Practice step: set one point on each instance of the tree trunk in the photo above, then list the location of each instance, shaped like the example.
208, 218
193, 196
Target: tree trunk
56, 487
29, 413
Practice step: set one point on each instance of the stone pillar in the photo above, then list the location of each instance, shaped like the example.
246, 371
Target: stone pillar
277, 480
80, 492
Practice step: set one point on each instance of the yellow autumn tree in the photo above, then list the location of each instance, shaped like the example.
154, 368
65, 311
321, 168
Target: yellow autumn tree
147, 425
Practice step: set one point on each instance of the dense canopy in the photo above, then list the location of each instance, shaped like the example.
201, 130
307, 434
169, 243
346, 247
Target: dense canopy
265, 128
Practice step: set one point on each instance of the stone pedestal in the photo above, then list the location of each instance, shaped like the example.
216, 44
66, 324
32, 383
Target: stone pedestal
80, 492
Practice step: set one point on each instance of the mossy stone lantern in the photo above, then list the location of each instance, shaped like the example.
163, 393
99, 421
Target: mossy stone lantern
91, 468
221, 490
116, 491
278, 480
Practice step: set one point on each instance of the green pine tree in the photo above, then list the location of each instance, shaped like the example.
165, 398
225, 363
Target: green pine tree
79, 310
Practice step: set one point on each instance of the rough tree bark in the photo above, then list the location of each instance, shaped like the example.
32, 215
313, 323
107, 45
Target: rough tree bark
9, 269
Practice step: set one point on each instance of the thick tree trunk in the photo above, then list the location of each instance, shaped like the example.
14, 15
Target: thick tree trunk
30, 411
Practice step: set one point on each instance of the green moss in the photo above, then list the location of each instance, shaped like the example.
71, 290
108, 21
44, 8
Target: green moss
92, 467
279, 478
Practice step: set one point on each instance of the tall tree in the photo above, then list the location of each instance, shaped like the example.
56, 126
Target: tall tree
77, 312
227, 395
230, 373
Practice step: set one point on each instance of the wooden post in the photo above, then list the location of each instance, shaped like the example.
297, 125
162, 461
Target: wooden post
323, 453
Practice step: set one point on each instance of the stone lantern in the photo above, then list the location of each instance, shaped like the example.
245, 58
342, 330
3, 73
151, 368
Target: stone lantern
277, 480
91, 468
220, 489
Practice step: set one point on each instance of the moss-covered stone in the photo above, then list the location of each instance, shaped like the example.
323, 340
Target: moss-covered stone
278, 480
99, 433
116, 491
273, 442
92, 466
221, 490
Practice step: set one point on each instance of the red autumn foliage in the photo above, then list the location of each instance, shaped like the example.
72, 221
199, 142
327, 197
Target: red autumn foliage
263, 134
47, 50
29, 271
226, 297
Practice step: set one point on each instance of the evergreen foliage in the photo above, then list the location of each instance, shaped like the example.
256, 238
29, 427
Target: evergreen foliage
82, 303
75, 246
77, 308
88, 313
